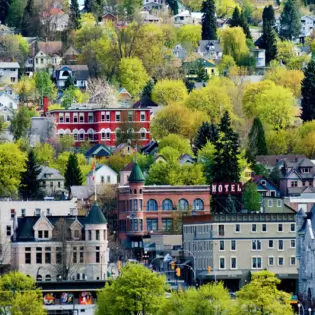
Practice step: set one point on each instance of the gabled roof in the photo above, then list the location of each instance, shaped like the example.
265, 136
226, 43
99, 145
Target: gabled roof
209, 45
71, 52
98, 167
95, 216
8, 65
51, 47
98, 150
144, 102
150, 148
136, 175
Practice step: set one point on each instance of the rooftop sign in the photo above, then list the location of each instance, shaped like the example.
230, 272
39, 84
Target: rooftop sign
226, 188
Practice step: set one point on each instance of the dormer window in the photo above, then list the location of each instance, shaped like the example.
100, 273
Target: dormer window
76, 233
43, 234
263, 182
305, 169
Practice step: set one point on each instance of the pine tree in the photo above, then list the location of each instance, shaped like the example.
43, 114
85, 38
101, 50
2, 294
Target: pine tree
88, 6
238, 19
290, 21
73, 175
202, 75
209, 26
74, 16
256, 141
147, 90
269, 41
173, 6
308, 93
206, 132
31, 20
30, 185
245, 26
269, 15
4, 9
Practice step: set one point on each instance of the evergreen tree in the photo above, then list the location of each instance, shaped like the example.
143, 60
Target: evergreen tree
269, 15
245, 26
308, 93
173, 4
31, 20
202, 75
74, 16
73, 175
275, 175
269, 41
147, 90
290, 20
88, 6
15, 13
95, 7
30, 186
209, 26
238, 19
256, 141
4, 9
206, 132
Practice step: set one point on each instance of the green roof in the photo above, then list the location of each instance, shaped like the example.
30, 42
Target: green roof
136, 175
95, 216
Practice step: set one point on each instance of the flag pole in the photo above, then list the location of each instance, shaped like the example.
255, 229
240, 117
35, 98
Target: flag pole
93, 177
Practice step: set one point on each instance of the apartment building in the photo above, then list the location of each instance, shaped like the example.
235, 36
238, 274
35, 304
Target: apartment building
235, 245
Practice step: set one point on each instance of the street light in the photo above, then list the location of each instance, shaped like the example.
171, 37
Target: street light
194, 262
309, 311
300, 305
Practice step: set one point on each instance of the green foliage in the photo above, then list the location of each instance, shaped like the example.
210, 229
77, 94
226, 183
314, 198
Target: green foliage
277, 142
269, 15
74, 16
73, 175
65, 143
275, 175
12, 163
173, 4
206, 158
44, 85
207, 132
308, 93
28, 303
15, 13
4, 9
269, 40
44, 154
132, 75
31, 20
20, 123
189, 36
177, 142
136, 290
167, 92
72, 95
290, 20
238, 19
117, 162
225, 64
251, 197
261, 296
30, 186
209, 26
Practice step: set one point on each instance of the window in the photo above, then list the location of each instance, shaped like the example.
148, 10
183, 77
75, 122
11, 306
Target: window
292, 244
48, 278
167, 225
108, 179
67, 118
305, 170
91, 117
97, 254
167, 204
23, 212
294, 183
270, 244
74, 255
76, 233
270, 203
280, 261
90, 235
103, 135
9, 230
47, 255
152, 205
280, 227
97, 235
152, 224
46, 233
117, 116
75, 118
280, 245
256, 263
107, 116
292, 227
264, 227
279, 203
38, 255
142, 116
28, 255
222, 263
75, 136
130, 116
58, 255
254, 227
61, 118
233, 263
256, 244
271, 261
221, 230
233, 244
183, 204
142, 133
221, 245
102, 116
237, 228
81, 254
198, 204
292, 261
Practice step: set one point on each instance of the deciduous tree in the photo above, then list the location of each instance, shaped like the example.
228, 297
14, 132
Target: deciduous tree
209, 26
20, 123
251, 197
189, 36
44, 153
177, 142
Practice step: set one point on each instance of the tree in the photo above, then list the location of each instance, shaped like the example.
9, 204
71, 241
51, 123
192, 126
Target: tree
269, 40
15, 13
102, 93
167, 92
256, 141
173, 6
31, 20
227, 62
269, 15
73, 175
73, 95
238, 19
12, 163
275, 175
44, 154
177, 142
208, 22
290, 20
206, 132
206, 158
251, 197
189, 36
308, 93
19, 295
136, 290
95, 7
4, 9
20, 123
74, 16
132, 75
30, 185
44, 85
261, 296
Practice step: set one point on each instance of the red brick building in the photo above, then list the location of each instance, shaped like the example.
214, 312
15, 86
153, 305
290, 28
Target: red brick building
101, 125
145, 211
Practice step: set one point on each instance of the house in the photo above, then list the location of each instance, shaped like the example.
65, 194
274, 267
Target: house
147, 211
70, 55
51, 181
102, 175
221, 241
6, 113
270, 161
100, 125
150, 18
98, 151
186, 159
9, 72
61, 247
192, 68
187, 17
109, 17
124, 97
149, 5
55, 20
305, 253
307, 26
160, 159
124, 149
210, 49
259, 56
265, 187
78, 73
8, 98
48, 55
180, 52
151, 148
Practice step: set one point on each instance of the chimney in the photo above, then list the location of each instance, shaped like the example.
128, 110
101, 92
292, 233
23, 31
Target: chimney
45, 104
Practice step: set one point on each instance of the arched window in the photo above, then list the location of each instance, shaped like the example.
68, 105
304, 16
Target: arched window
183, 204
143, 132
152, 205
167, 204
198, 204
135, 191
48, 278
39, 278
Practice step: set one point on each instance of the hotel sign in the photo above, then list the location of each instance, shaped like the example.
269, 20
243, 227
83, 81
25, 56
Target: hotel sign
226, 188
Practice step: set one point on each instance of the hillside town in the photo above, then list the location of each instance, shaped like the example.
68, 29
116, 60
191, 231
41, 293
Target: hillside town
157, 157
